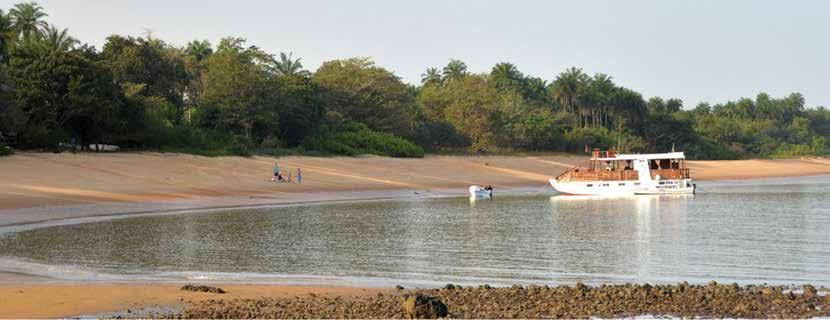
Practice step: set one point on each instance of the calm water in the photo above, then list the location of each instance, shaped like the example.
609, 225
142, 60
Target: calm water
774, 231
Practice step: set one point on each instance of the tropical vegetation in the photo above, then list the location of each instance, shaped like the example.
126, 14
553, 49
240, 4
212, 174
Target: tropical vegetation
142, 93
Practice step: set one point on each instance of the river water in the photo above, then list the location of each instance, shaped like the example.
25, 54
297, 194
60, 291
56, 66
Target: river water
762, 231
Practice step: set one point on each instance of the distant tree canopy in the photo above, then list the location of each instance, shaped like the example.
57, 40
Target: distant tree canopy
235, 98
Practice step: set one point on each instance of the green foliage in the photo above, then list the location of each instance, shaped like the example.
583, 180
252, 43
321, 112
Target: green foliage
366, 93
60, 93
5, 150
439, 135
239, 92
579, 138
150, 62
236, 99
353, 138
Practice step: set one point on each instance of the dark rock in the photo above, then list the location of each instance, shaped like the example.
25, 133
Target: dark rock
449, 286
399, 287
581, 301
424, 307
200, 288
810, 291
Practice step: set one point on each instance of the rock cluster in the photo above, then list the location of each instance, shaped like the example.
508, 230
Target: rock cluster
419, 306
579, 301
200, 288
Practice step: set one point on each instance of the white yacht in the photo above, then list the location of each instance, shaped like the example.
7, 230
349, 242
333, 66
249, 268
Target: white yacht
614, 174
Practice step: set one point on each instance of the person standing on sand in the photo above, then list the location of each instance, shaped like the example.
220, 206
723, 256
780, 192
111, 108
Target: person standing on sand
277, 175
299, 176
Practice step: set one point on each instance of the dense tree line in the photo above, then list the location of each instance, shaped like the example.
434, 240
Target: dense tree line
142, 93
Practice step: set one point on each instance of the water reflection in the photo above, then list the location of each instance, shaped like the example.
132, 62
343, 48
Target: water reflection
774, 233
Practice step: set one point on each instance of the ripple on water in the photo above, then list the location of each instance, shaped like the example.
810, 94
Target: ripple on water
746, 232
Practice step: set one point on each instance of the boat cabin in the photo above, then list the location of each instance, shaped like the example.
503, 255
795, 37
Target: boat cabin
613, 166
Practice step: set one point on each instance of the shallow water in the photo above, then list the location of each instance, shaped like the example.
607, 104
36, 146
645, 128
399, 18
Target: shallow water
764, 231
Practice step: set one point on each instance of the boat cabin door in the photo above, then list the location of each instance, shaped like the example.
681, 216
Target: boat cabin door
643, 171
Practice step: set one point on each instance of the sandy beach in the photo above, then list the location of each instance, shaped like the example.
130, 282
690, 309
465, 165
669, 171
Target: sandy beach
39, 187
38, 180
62, 300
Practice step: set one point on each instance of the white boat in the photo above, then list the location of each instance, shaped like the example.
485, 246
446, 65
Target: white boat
609, 173
479, 192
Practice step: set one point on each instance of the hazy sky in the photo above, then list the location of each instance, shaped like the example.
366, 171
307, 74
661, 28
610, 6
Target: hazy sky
695, 50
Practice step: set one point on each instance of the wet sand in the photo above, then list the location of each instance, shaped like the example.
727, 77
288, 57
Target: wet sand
66, 300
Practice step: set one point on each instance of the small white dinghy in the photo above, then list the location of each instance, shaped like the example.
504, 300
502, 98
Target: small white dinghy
479, 192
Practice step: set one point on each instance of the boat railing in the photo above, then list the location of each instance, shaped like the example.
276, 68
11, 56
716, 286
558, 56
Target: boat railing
670, 174
594, 175
581, 165
623, 175
603, 154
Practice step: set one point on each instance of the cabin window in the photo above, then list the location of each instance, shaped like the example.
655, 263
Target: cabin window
622, 183
636, 183
590, 185
604, 184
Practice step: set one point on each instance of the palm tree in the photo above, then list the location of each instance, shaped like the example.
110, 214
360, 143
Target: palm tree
505, 75
7, 36
568, 86
630, 109
506, 70
198, 50
27, 19
287, 66
455, 70
602, 87
59, 40
536, 88
431, 76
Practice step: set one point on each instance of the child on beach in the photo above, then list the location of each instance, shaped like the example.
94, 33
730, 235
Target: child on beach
299, 176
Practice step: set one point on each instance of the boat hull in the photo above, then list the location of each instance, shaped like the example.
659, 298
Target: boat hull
623, 188
479, 192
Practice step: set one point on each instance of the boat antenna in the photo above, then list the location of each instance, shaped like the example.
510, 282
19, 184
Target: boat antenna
672, 147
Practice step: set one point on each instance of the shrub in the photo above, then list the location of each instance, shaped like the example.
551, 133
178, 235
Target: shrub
439, 135
5, 150
354, 138
786, 150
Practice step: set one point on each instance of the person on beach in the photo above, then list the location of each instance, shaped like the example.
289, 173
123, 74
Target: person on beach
277, 174
299, 176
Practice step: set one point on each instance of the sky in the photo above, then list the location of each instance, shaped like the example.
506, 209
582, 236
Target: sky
711, 51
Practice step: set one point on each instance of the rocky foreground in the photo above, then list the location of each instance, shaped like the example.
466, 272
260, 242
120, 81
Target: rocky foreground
580, 301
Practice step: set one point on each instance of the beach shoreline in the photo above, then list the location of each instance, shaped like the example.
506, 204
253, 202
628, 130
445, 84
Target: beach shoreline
42, 182
51, 300
47, 189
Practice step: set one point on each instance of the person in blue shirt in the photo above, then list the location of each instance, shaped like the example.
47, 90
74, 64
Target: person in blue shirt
299, 176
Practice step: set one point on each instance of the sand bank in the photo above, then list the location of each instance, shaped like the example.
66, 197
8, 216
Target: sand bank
41, 180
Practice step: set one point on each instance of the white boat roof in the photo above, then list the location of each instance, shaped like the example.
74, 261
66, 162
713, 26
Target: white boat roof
646, 156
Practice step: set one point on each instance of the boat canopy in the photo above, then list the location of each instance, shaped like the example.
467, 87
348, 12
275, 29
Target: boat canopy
648, 156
